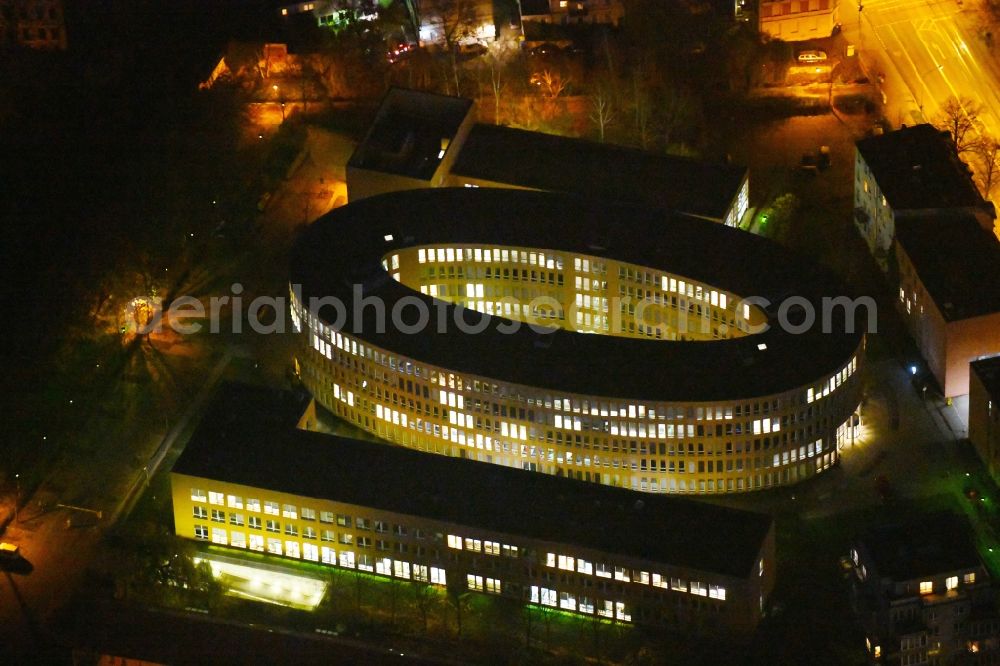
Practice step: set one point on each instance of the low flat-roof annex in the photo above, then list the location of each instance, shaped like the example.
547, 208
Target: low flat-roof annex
248, 436
599, 170
347, 246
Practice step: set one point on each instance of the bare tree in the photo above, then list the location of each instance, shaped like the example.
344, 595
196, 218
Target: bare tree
960, 118
551, 82
450, 22
677, 110
602, 107
988, 152
642, 106
496, 57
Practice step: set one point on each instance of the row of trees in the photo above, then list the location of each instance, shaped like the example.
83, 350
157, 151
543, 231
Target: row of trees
960, 117
653, 82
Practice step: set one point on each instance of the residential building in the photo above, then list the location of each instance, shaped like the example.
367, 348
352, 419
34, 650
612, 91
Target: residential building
949, 294
913, 172
33, 23
923, 595
577, 338
984, 412
458, 152
564, 12
797, 20
250, 480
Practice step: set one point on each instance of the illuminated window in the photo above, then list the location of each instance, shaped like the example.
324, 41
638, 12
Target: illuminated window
308, 514
438, 576
566, 562
234, 501
474, 545
491, 547
238, 539
622, 574
274, 546
926, 587
253, 505
197, 495
455, 542
219, 536
256, 542
717, 592
474, 582
603, 570
347, 559
969, 578
584, 567
951, 582
271, 508
310, 552
289, 511
216, 498
567, 601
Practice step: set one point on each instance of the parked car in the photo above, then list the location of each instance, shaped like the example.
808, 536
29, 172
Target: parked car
546, 49
472, 50
810, 57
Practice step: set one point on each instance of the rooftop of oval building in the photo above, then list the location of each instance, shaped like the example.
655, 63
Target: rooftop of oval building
348, 246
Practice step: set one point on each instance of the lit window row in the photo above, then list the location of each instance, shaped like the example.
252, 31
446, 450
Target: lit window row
480, 584
626, 575
587, 605
833, 383
456, 542
488, 255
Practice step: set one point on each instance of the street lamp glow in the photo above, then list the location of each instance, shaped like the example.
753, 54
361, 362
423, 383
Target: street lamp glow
913, 370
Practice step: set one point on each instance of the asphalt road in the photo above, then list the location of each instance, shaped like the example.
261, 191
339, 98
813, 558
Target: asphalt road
929, 51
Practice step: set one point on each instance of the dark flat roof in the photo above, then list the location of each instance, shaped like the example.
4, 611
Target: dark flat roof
248, 436
346, 247
405, 138
958, 263
601, 171
917, 168
932, 544
988, 371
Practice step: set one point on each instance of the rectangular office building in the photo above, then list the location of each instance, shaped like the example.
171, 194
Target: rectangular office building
251, 479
